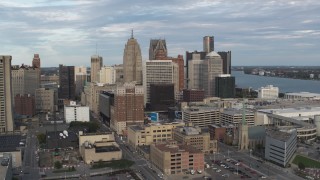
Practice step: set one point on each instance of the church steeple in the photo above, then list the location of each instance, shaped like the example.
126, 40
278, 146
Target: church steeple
244, 122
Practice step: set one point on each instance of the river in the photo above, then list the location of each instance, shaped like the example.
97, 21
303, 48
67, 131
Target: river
284, 84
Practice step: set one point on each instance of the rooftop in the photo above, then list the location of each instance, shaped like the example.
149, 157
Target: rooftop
9, 143
233, 112
279, 135
304, 94
213, 54
102, 149
177, 148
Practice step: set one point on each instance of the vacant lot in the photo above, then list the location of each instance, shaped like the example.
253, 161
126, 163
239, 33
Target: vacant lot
306, 161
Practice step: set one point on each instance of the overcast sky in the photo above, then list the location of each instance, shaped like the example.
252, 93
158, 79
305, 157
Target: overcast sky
258, 32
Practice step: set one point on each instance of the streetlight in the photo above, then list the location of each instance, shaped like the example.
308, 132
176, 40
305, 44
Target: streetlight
214, 156
250, 152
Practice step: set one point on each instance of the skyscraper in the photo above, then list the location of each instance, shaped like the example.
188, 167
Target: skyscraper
214, 69
25, 80
158, 49
96, 64
225, 86
36, 61
80, 79
208, 44
226, 61
132, 61
6, 116
66, 82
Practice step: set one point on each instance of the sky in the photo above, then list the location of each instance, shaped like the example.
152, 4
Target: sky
69, 32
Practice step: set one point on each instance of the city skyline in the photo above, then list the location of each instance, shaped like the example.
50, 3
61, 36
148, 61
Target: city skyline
70, 32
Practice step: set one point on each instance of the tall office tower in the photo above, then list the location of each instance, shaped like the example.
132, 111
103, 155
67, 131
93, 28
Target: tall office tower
107, 75
132, 61
118, 73
80, 79
214, 69
179, 60
226, 61
158, 49
208, 44
225, 86
126, 107
25, 79
6, 116
202, 73
160, 72
66, 81
96, 64
193, 56
243, 131
36, 61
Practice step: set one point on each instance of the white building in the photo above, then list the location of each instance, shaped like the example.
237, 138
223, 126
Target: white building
280, 146
74, 112
107, 75
302, 96
160, 72
268, 92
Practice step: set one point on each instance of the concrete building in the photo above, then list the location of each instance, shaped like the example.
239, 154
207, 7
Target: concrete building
214, 61
25, 105
107, 75
280, 146
96, 64
139, 135
225, 86
6, 115
25, 80
127, 108
201, 116
44, 79
36, 61
12, 144
208, 44
302, 96
45, 100
74, 112
268, 92
119, 75
195, 137
226, 61
95, 147
66, 82
162, 96
172, 158
193, 95
132, 62
80, 78
159, 72
219, 132
158, 49
192, 56
234, 117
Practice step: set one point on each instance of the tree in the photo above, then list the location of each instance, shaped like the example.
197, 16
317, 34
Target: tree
42, 138
57, 165
301, 165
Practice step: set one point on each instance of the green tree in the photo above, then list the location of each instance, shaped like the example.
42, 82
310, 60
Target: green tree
42, 138
301, 165
57, 165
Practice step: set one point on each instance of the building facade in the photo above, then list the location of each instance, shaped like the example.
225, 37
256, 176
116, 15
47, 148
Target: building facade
74, 112
132, 61
225, 86
160, 72
36, 61
80, 79
280, 146
139, 135
107, 75
226, 61
208, 44
234, 117
66, 82
45, 100
193, 95
162, 96
201, 116
158, 49
173, 158
96, 64
25, 105
6, 114
268, 92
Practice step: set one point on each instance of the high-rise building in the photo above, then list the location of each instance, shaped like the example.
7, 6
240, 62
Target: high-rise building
179, 60
161, 97
6, 116
24, 105
45, 100
226, 61
158, 49
160, 72
132, 61
107, 75
96, 64
66, 81
208, 44
193, 56
193, 95
80, 79
214, 69
36, 61
25, 79
225, 86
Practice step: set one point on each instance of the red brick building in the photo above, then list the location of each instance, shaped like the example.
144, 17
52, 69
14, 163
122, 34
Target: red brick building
193, 95
24, 105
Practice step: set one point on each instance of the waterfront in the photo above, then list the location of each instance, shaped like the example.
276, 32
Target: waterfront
284, 84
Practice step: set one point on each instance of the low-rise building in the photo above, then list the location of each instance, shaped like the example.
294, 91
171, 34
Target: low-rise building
12, 144
195, 137
280, 146
74, 112
95, 147
219, 132
173, 158
139, 135
268, 92
234, 116
201, 116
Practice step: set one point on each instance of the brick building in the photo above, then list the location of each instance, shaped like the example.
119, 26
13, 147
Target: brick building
193, 95
24, 105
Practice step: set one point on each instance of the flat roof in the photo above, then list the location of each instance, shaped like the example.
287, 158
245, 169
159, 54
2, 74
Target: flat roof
3, 170
236, 112
177, 148
9, 142
291, 110
102, 149
304, 94
279, 135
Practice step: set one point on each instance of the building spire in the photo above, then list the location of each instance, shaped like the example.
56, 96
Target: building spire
131, 33
244, 112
